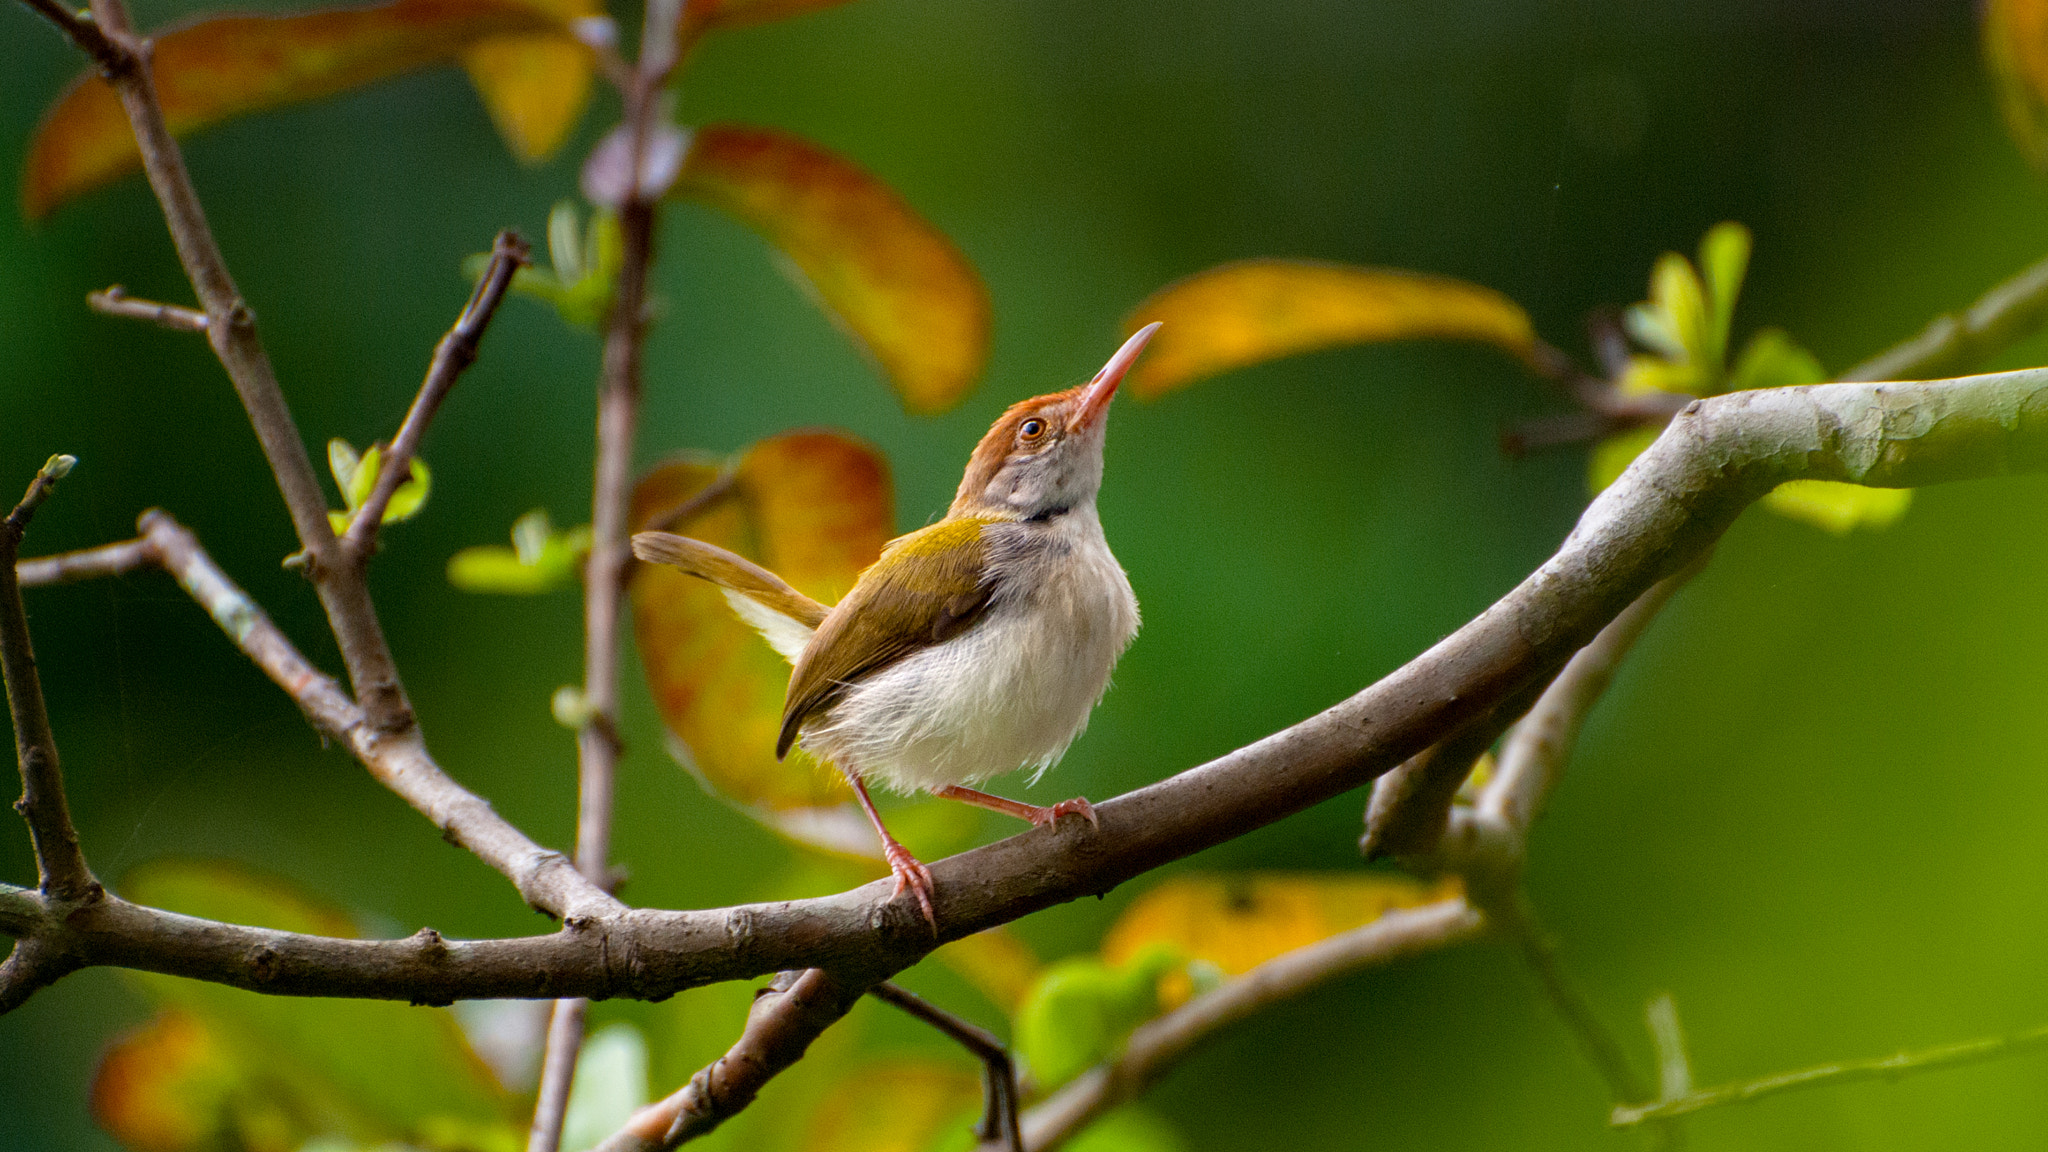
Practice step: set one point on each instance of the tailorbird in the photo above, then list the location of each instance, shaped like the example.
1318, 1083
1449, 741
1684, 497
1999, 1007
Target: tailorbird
972, 647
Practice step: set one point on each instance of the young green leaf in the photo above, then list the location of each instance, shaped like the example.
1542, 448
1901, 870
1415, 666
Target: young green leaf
1724, 260
1082, 1009
579, 286
216, 69
539, 560
356, 476
899, 287
1251, 311
1839, 508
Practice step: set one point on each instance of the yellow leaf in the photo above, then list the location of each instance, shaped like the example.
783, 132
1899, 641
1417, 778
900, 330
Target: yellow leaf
815, 508
1252, 311
2016, 50
535, 86
1238, 922
898, 286
1839, 508
217, 69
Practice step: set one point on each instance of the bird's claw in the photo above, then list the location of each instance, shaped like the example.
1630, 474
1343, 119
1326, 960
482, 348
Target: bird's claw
1078, 806
913, 875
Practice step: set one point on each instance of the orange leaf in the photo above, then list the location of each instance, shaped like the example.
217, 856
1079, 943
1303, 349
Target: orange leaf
899, 287
218, 69
2016, 48
813, 507
1252, 311
1238, 922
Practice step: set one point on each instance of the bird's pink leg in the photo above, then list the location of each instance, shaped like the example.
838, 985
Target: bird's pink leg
905, 867
1022, 811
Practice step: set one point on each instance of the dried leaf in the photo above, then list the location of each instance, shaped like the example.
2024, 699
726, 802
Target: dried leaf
217, 69
899, 287
535, 86
2016, 50
378, 1069
171, 1086
1238, 922
1251, 311
813, 507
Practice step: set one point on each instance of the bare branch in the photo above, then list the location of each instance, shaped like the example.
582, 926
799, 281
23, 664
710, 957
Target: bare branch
1410, 808
455, 353
33, 965
998, 1128
115, 301
85, 564
1158, 1045
1845, 1072
60, 865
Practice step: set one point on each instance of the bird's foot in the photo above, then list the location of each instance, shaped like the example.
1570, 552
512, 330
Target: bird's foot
1078, 806
911, 874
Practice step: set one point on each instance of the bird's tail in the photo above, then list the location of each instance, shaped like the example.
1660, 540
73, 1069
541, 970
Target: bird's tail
783, 615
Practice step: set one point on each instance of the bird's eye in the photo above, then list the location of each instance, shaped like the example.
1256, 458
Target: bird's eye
1031, 429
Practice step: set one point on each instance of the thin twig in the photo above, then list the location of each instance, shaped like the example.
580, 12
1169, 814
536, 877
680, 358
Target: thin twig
113, 59
456, 352
1410, 807
231, 331
85, 564
1844, 1072
1160, 1044
604, 574
116, 301
60, 865
557, 1073
998, 1127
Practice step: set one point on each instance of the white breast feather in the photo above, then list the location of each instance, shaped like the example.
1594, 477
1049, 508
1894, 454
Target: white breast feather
1013, 691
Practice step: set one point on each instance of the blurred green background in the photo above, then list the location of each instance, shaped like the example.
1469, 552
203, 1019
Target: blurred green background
1811, 808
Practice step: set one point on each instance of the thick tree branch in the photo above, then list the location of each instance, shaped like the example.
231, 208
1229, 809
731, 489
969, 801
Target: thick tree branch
1161, 1043
1671, 503
115, 301
998, 1129
60, 866
1845, 1072
455, 353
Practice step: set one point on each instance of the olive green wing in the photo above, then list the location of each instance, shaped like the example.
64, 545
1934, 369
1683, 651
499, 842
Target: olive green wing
927, 588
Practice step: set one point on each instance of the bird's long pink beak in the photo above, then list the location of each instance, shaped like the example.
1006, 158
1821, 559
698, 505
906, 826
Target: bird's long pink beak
1101, 390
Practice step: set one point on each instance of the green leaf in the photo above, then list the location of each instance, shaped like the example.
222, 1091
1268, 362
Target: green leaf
579, 286
610, 1085
539, 560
